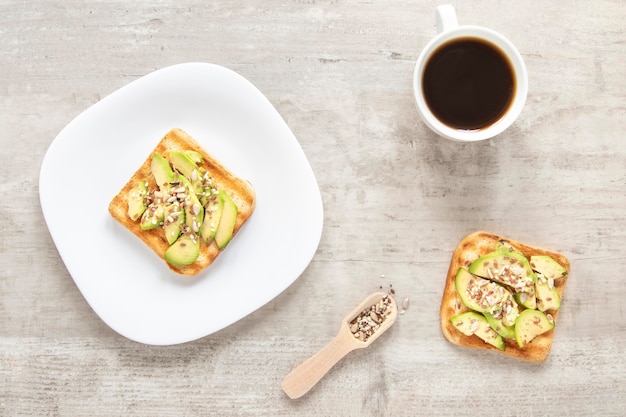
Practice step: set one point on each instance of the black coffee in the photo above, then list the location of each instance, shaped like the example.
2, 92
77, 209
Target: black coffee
468, 83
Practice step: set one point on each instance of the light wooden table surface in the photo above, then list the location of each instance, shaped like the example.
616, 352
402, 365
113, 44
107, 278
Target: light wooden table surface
396, 199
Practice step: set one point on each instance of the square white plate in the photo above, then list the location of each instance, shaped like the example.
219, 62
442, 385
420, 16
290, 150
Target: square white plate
125, 283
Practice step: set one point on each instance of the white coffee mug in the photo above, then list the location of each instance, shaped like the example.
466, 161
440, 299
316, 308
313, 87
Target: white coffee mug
434, 110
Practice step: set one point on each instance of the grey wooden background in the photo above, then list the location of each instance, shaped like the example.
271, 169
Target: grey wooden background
396, 198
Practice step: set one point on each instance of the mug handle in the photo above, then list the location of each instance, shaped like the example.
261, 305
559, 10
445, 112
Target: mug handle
446, 18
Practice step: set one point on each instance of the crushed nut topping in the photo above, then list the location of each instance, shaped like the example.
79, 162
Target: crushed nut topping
493, 298
512, 273
474, 325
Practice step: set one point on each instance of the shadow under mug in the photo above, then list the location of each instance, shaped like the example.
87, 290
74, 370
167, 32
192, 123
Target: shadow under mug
449, 31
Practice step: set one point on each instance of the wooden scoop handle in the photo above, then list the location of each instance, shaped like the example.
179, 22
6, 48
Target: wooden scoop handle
299, 381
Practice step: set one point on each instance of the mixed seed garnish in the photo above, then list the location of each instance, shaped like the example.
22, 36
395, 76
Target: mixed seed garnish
185, 194
493, 298
370, 319
509, 296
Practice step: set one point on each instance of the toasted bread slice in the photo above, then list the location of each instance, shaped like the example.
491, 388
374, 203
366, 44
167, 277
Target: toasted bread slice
238, 189
471, 248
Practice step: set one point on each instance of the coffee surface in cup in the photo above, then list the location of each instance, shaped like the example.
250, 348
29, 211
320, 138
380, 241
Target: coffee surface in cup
468, 83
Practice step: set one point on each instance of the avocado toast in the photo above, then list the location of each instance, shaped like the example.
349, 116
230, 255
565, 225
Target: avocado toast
184, 204
503, 295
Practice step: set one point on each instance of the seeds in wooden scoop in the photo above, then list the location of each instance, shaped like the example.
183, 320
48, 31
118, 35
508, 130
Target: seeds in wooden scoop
370, 319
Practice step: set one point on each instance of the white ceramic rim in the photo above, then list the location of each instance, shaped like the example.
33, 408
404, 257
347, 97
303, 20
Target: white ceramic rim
521, 82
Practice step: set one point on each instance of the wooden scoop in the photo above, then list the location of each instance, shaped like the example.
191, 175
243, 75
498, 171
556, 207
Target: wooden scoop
299, 381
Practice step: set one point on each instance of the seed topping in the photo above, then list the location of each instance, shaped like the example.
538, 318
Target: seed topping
493, 298
370, 319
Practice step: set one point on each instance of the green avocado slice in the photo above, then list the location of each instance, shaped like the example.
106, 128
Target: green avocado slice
152, 217
194, 212
548, 297
485, 296
161, 171
186, 165
173, 220
213, 213
510, 268
195, 156
471, 323
547, 266
137, 200
184, 251
227, 221
530, 324
508, 332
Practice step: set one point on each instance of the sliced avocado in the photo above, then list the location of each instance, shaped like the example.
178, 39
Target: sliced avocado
465, 283
507, 267
527, 298
213, 213
547, 266
227, 222
194, 212
508, 332
548, 297
504, 246
530, 324
510, 268
485, 296
184, 181
206, 190
184, 164
195, 156
161, 171
471, 323
184, 251
137, 200
152, 217
173, 219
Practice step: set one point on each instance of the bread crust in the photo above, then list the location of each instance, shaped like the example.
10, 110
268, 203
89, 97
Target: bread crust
238, 189
468, 250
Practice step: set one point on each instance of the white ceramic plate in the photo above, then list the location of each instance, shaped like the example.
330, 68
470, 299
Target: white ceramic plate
124, 282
